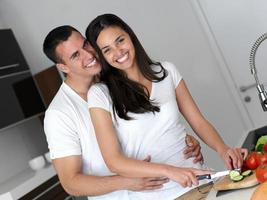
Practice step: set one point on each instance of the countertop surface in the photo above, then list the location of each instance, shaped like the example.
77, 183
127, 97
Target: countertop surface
238, 194
25, 182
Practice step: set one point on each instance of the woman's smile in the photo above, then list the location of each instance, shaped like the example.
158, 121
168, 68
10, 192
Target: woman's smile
123, 58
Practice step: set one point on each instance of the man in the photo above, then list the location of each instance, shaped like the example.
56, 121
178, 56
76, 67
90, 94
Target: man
70, 134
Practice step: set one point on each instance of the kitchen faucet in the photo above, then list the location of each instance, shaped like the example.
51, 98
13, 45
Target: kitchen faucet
260, 87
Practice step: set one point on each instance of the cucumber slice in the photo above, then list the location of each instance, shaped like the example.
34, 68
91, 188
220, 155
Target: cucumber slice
246, 173
237, 178
233, 173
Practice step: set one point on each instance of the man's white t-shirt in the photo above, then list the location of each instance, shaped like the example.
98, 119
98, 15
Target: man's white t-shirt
69, 131
159, 134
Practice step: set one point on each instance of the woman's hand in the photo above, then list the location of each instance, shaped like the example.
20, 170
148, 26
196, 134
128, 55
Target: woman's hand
233, 157
186, 177
193, 149
140, 184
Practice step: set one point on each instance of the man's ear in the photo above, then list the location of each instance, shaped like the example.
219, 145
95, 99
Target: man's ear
62, 67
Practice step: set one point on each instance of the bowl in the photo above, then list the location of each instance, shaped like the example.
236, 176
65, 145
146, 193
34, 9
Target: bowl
253, 136
37, 163
47, 157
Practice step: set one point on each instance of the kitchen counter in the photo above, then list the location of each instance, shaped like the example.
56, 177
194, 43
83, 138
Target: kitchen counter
25, 182
238, 194
241, 194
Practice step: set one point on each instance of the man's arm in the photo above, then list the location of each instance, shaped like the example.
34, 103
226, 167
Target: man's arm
78, 184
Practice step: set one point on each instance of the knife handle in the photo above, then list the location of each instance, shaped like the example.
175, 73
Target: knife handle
204, 176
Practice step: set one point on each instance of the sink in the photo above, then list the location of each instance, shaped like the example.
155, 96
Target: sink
253, 137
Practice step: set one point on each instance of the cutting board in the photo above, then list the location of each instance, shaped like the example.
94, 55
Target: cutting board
227, 184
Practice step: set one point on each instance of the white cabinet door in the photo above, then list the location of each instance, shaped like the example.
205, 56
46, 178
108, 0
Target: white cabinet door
235, 26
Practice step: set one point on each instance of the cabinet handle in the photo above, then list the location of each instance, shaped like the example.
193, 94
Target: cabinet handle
9, 66
45, 191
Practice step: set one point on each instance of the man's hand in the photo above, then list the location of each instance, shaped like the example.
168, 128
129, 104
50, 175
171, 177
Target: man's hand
193, 149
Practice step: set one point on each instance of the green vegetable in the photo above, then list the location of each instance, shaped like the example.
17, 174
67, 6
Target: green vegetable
259, 148
260, 143
237, 178
233, 174
246, 173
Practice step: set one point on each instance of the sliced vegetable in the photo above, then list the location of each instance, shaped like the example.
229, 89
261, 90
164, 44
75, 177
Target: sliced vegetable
233, 173
237, 178
246, 173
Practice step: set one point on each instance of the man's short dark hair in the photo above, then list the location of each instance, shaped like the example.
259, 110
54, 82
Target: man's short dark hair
54, 38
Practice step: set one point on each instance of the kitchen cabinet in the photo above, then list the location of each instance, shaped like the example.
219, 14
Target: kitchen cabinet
20, 97
11, 57
51, 189
48, 81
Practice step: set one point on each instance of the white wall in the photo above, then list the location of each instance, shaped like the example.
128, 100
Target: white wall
2, 26
169, 30
234, 34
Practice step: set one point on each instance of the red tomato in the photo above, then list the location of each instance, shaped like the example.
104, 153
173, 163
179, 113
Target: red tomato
252, 160
262, 158
261, 173
265, 147
244, 167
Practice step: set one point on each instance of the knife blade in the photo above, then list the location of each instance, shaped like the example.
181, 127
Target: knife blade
212, 176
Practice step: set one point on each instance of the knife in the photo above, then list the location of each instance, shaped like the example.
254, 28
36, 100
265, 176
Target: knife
216, 175
212, 176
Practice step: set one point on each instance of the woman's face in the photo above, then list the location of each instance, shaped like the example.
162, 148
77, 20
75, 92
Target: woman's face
117, 47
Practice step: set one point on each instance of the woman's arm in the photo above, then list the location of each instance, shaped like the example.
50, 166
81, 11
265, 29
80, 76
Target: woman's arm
118, 163
205, 130
75, 182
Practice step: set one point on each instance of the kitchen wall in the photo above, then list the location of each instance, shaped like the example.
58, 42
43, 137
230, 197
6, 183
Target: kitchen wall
169, 30
2, 26
19, 143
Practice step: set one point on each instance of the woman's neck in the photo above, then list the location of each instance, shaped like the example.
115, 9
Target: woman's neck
135, 74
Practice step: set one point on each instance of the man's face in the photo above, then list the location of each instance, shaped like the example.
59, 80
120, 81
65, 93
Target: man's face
78, 56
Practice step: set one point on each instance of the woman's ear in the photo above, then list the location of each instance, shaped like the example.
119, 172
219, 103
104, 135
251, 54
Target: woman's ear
63, 68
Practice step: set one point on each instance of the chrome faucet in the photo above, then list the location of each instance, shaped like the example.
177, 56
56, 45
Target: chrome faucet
260, 87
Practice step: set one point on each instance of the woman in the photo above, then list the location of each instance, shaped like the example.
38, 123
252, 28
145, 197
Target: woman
136, 112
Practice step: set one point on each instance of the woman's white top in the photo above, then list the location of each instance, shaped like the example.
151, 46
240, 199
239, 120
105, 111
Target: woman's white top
160, 135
